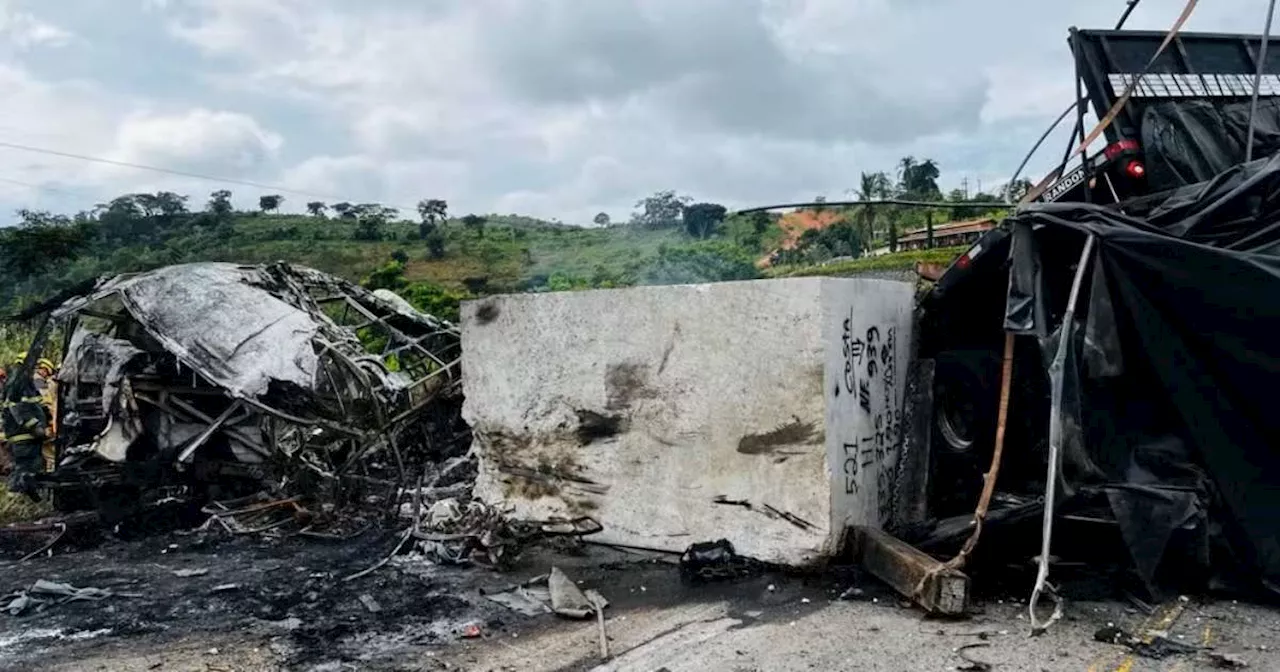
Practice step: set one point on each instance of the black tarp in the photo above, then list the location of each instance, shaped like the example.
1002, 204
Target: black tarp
1180, 364
1190, 141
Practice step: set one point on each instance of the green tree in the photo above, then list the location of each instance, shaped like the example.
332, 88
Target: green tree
601, 219
433, 212
435, 300
378, 210
387, 276
871, 187
42, 241
981, 197
842, 238
707, 261
435, 245
475, 223
701, 219
220, 204
316, 208
370, 220
490, 255
660, 211
171, 204
270, 202
918, 179
748, 231
345, 210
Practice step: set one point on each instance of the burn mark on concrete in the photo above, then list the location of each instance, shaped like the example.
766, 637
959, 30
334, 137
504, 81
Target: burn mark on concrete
786, 435
545, 477
624, 383
534, 466
671, 346
487, 312
594, 426
767, 510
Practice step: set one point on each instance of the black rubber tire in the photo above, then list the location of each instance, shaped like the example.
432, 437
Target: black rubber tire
966, 385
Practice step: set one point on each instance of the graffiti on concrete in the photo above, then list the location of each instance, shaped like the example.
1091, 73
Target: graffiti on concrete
870, 379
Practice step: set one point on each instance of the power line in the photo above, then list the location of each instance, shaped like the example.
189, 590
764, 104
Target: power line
888, 201
30, 185
168, 171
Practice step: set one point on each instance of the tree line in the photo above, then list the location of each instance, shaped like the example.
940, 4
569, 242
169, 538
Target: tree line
41, 246
855, 232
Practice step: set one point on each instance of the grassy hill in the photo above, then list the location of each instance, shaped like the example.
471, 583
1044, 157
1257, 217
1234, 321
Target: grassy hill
46, 252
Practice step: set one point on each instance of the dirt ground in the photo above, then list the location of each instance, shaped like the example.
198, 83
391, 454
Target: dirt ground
282, 605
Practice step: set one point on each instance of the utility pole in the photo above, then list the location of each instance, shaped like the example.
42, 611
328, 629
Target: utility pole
964, 186
928, 227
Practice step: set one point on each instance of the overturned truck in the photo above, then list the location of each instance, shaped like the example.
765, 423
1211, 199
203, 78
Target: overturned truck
214, 380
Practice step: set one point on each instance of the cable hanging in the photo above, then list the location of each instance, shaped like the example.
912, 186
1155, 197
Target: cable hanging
1257, 81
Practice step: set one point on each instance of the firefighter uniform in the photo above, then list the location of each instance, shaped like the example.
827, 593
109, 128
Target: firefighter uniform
48, 389
25, 425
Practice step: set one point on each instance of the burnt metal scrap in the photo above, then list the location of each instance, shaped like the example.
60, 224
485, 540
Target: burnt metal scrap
218, 380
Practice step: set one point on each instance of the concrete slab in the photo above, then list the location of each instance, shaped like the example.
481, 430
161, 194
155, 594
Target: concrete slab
765, 412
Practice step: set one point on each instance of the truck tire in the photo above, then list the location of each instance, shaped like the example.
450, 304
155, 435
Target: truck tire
966, 396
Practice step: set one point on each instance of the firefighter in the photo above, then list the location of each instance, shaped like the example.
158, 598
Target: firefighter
25, 427
47, 386
44, 376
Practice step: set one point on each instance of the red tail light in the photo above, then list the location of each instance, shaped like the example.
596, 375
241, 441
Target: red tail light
1136, 170
1114, 149
963, 262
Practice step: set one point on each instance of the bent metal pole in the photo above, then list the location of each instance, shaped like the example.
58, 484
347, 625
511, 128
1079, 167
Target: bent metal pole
1056, 373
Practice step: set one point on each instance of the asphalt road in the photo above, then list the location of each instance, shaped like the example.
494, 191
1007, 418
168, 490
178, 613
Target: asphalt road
290, 612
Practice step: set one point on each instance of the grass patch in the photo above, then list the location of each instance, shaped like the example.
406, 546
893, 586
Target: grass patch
19, 508
898, 261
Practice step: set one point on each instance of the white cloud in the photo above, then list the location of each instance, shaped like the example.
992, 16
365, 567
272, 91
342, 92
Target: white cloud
220, 142
68, 116
561, 108
22, 31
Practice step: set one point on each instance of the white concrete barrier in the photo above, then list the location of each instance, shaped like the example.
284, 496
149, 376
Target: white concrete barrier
764, 412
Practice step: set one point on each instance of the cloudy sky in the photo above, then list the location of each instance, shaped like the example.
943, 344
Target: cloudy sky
554, 108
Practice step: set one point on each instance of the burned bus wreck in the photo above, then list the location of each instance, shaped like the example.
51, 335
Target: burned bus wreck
211, 381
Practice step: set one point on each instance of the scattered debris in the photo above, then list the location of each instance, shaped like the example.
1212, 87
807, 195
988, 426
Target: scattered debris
598, 603
471, 630
527, 599
715, 560
399, 545
971, 665
44, 592
370, 603
853, 593
1151, 646
1227, 660
454, 532
935, 586
566, 598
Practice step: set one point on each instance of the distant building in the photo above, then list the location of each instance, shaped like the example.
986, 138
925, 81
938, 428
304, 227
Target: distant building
946, 235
